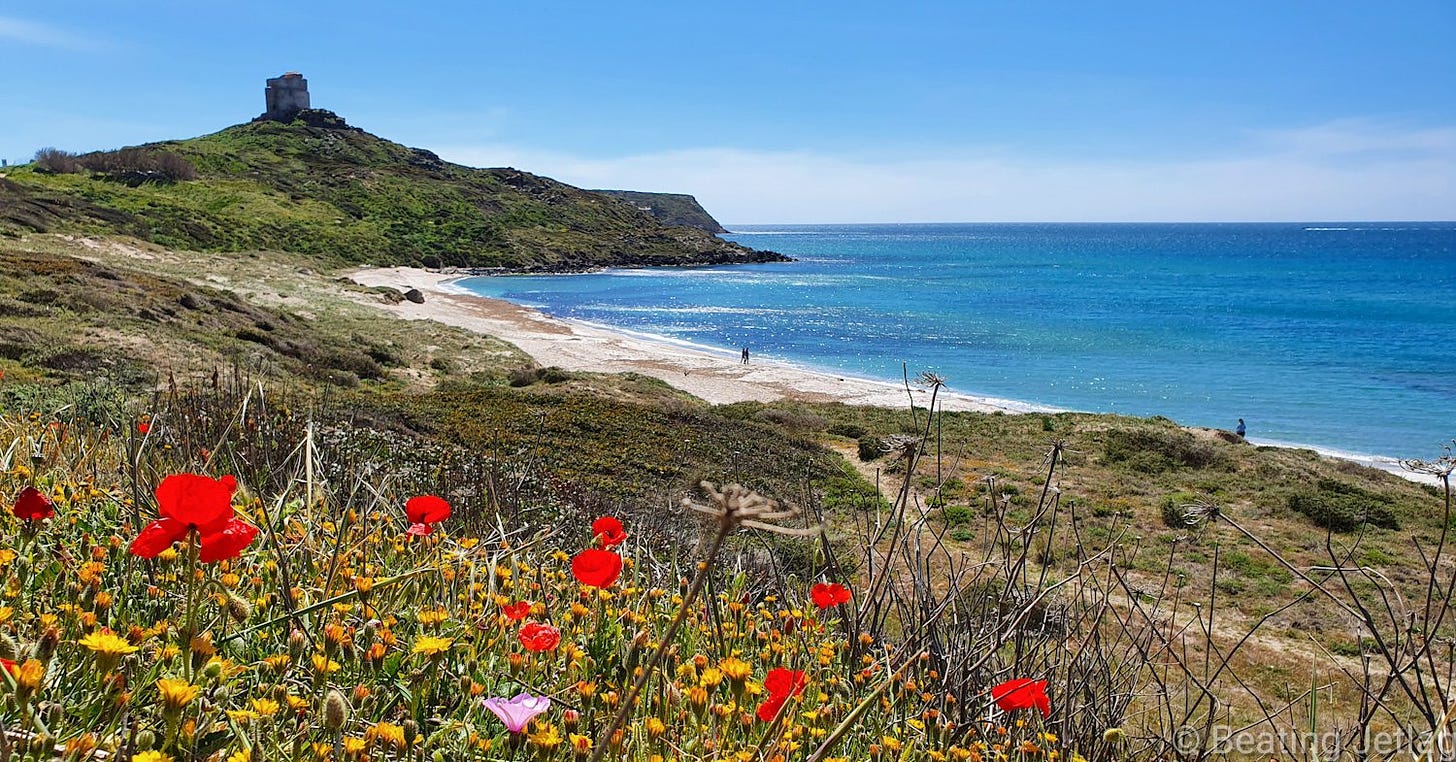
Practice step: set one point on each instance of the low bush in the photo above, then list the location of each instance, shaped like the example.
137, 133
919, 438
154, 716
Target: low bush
135, 166
1341, 507
1153, 451
793, 420
871, 448
56, 162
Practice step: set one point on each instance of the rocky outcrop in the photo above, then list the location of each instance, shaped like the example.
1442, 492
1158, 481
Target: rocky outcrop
669, 208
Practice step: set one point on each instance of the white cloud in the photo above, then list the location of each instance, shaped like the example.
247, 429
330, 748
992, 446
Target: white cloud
1345, 170
43, 35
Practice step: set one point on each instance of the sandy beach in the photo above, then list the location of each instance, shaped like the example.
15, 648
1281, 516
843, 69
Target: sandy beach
717, 377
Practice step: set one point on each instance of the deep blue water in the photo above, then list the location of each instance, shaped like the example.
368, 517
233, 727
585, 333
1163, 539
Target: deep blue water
1333, 335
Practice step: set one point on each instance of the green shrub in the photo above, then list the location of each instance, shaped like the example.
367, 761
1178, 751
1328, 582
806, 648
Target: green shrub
1175, 512
846, 490
1154, 451
793, 420
1256, 567
554, 375
1341, 507
956, 515
847, 430
870, 448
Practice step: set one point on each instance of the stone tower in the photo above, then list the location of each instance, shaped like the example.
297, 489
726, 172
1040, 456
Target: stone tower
287, 95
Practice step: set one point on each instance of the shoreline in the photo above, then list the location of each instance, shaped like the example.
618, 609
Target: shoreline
714, 375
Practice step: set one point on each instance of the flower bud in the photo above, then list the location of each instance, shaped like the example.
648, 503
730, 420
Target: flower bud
336, 711
45, 648
297, 644
238, 609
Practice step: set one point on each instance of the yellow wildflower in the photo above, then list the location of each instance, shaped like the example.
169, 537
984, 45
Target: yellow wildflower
242, 716
430, 645
386, 733
107, 643
150, 756
736, 669
546, 740
177, 694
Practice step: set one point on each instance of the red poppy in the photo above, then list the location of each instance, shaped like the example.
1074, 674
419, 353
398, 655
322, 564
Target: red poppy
1022, 693
537, 636
781, 684
8, 665
143, 427
596, 567
609, 530
31, 505
191, 501
424, 512
516, 611
831, 594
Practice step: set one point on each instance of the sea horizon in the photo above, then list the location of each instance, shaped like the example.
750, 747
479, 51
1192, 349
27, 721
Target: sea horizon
1318, 338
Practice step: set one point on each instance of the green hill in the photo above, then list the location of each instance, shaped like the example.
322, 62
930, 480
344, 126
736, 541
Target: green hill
318, 186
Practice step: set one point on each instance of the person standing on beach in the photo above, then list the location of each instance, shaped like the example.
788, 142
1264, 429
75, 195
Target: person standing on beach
1240, 429
745, 355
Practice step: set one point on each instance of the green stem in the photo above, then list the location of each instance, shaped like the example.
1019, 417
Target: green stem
378, 585
193, 543
682, 613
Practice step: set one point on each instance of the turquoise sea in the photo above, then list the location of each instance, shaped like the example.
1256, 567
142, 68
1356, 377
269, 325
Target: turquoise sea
1338, 336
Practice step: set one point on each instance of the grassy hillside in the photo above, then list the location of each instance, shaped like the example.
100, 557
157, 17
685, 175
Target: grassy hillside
319, 187
1159, 577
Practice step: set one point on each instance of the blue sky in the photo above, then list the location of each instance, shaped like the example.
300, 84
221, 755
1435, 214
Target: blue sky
807, 111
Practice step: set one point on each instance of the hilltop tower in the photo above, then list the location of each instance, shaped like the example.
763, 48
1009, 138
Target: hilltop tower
286, 95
